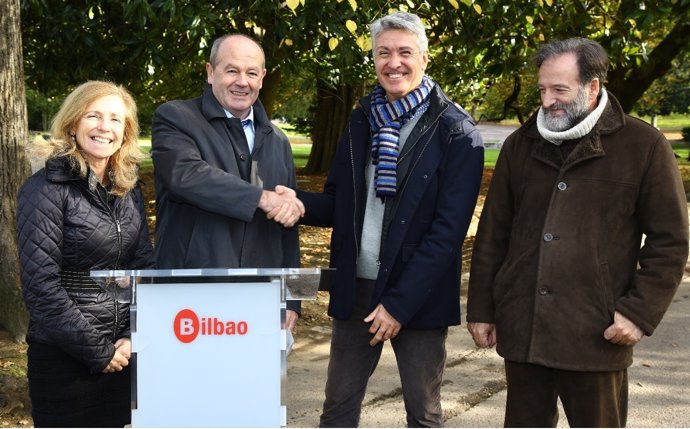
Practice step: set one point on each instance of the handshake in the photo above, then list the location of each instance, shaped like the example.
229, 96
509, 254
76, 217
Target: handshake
282, 205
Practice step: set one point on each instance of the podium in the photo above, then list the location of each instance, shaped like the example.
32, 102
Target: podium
208, 347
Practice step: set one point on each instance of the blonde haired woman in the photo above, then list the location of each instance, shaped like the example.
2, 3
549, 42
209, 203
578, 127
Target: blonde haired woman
83, 211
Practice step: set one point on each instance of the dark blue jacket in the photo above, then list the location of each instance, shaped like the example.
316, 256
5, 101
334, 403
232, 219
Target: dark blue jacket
424, 225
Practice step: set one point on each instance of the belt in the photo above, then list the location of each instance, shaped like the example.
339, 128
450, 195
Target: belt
78, 281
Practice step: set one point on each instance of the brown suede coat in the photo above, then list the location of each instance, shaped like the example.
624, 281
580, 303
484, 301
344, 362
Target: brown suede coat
558, 248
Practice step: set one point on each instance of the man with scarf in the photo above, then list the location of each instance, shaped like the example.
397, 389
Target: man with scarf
561, 280
400, 197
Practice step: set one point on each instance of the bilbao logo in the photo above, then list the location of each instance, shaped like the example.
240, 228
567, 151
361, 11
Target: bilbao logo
188, 326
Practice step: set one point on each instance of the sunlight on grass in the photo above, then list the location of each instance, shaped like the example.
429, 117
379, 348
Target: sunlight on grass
682, 150
671, 122
289, 130
301, 145
300, 154
490, 157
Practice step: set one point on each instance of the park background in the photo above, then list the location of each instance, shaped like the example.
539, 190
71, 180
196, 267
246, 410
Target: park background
318, 64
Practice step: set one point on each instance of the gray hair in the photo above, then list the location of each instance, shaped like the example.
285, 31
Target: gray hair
592, 59
400, 21
213, 59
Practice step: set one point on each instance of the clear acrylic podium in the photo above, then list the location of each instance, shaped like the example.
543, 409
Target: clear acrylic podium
208, 347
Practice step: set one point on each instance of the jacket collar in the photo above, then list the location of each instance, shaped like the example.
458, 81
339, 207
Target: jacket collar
590, 146
60, 170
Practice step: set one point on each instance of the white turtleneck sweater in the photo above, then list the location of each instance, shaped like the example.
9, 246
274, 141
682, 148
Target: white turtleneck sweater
578, 131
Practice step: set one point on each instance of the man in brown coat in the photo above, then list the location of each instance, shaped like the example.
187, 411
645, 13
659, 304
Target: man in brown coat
561, 281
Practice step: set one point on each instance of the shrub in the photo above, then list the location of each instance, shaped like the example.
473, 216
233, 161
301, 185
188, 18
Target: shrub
686, 134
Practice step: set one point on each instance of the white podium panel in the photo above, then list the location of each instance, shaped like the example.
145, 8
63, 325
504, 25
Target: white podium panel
205, 362
208, 349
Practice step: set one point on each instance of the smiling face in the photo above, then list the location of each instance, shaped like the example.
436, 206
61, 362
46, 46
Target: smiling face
100, 130
565, 101
399, 63
238, 75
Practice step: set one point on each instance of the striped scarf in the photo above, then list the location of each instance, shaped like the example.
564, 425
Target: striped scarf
386, 122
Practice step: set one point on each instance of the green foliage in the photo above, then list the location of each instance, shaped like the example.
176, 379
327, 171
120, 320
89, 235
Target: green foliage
480, 50
670, 93
294, 101
40, 109
685, 132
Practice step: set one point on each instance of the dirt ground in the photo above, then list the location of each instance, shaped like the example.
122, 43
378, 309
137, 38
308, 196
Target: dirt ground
15, 407
14, 399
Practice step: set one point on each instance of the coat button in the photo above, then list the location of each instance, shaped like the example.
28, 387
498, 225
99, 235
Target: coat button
243, 157
403, 222
543, 291
548, 237
426, 176
562, 186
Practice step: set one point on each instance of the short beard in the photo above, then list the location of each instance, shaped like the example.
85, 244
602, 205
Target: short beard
575, 112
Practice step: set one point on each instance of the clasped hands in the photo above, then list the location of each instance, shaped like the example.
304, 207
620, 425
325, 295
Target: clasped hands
123, 351
282, 205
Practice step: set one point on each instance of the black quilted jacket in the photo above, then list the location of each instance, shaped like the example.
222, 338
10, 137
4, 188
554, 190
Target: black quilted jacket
66, 225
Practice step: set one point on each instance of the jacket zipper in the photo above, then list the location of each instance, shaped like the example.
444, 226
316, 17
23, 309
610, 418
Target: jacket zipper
403, 185
118, 228
354, 189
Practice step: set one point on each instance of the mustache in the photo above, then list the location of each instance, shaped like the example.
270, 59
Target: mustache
557, 106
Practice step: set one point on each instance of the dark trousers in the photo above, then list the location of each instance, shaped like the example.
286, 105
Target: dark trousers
64, 393
590, 399
420, 354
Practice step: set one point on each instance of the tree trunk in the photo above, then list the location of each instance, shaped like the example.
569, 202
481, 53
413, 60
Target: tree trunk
269, 91
14, 167
333, 107
629, 87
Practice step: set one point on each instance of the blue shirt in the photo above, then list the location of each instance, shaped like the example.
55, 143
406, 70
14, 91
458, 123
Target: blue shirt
247, 126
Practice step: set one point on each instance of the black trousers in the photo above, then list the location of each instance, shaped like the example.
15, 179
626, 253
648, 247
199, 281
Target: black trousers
64, 393
590, 399
420, 355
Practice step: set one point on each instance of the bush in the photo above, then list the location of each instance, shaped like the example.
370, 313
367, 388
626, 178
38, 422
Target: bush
686, 134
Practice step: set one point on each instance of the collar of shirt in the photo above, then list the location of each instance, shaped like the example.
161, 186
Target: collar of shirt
247, 126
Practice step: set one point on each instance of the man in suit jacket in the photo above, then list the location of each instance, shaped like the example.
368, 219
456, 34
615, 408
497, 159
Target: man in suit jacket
400, 197
217, 161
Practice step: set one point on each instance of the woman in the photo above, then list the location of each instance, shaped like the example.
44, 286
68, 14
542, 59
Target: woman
84, 211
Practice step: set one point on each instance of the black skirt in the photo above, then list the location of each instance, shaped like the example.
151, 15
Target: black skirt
64, 393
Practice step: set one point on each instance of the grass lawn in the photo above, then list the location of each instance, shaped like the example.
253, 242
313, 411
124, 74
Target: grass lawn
674, 122
681, 149
300, 153
301, 146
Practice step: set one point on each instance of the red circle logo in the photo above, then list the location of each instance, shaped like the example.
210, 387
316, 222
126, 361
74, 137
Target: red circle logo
186, 325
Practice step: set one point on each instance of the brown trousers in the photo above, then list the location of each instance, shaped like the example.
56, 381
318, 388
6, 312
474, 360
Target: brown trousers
590, 399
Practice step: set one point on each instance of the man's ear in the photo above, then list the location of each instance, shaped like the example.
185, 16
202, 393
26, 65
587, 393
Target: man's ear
594, 88
209, 73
